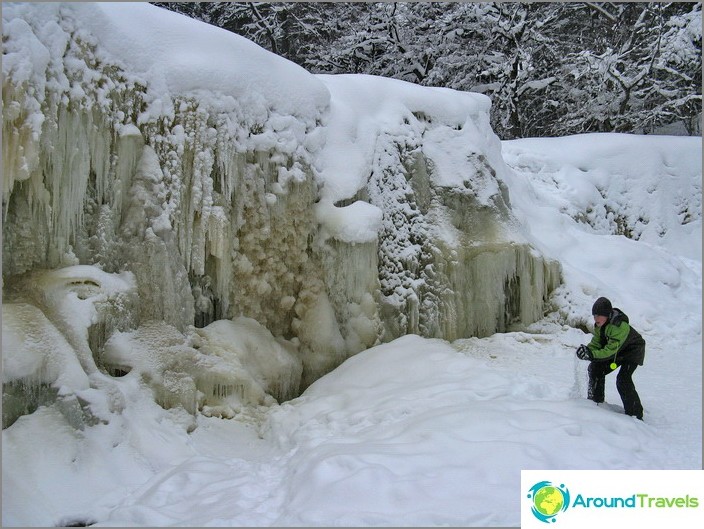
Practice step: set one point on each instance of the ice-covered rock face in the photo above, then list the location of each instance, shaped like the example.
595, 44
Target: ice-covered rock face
333, 212
452, 260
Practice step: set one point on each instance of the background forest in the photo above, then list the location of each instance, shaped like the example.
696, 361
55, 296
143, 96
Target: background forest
550, 68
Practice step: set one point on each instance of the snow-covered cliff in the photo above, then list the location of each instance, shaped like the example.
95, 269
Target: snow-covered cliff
186, 209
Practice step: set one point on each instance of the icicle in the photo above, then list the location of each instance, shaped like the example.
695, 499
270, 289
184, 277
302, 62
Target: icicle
351, 276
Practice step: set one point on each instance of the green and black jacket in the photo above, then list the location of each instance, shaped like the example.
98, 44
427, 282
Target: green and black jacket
616, 341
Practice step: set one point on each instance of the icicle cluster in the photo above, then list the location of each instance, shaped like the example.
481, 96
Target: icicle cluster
211, 205
451, 260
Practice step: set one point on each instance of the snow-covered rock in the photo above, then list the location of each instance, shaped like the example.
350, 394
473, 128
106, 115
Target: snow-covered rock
337, 212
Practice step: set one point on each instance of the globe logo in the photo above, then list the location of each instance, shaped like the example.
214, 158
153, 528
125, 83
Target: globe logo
548, 500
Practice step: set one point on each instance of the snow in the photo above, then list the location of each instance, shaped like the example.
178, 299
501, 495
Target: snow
413, 432
75, 298
357, 223
364, 107
38, 350
587, 166
168, 50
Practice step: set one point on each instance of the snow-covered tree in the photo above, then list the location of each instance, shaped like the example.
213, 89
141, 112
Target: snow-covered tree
550, 68
646, 73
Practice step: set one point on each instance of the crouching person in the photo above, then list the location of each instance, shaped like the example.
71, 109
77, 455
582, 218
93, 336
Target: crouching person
614, 344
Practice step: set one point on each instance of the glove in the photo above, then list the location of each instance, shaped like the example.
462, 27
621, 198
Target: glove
583, 353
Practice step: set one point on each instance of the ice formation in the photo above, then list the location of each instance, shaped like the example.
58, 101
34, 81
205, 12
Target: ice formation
216, 369
265, 223
53, 324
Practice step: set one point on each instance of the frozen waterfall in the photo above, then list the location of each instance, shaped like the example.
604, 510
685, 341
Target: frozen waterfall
182, 208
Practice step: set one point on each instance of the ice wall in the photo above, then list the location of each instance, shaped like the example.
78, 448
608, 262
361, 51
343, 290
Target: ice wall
452, 259
333, 212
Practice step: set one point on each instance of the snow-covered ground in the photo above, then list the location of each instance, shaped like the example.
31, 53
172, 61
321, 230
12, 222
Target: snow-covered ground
412, 432
419, 431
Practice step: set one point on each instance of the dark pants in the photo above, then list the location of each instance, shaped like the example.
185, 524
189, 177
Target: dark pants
624, 385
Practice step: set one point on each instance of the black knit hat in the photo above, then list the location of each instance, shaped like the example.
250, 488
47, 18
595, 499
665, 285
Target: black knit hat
601, 307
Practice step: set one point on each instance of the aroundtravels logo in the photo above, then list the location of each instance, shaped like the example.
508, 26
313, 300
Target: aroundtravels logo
548, 500
611, 498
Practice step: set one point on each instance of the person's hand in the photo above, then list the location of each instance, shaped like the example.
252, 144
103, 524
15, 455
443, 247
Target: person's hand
583, 353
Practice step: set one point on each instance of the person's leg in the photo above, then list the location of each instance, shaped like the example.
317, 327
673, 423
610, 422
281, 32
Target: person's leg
627, 389
597, 373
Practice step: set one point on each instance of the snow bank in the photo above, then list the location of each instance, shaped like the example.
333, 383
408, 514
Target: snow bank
419, 433
644, 187
414, 432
